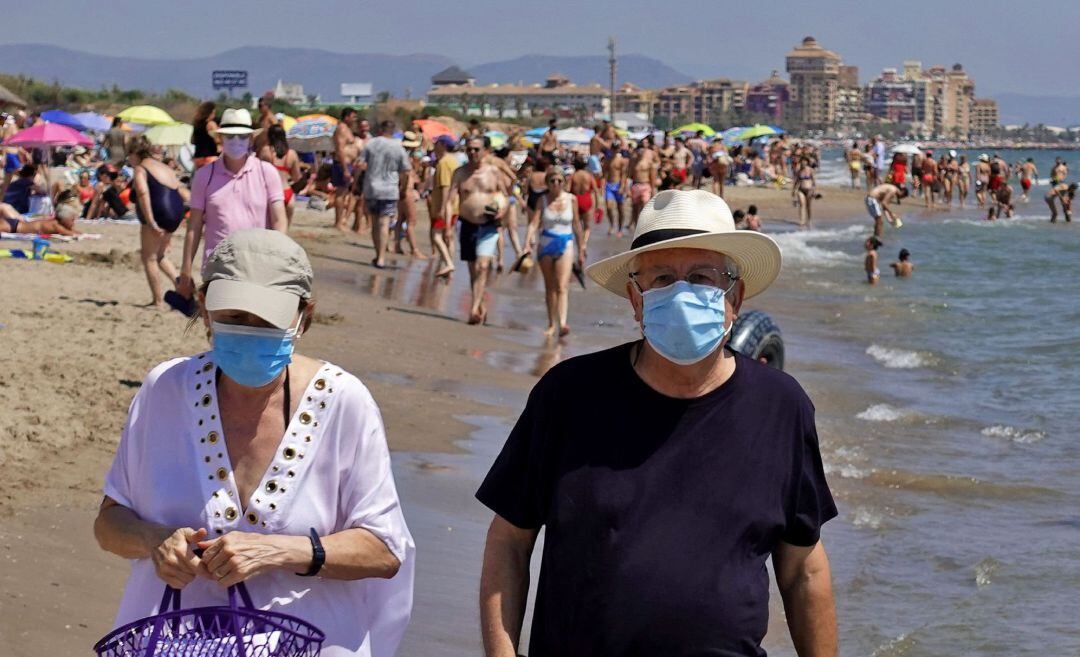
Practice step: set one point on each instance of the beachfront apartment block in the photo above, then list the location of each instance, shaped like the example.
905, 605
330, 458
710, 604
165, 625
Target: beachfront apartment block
935, 102
985, 120
815, 83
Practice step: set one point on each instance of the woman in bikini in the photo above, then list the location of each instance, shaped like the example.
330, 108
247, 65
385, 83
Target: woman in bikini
276, 151
560, 223
62, 222
803, 188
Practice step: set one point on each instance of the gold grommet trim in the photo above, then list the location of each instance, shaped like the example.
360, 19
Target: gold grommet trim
320, 384
305, 418
289, 453
222, 474
230, 513
252, 517
271, 486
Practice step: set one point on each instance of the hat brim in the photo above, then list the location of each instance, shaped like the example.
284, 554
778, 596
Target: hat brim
238, 130
757, 255
275, 306
411, 144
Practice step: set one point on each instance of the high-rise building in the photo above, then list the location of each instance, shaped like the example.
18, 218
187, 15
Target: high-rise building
849, 98
815, 80
892, 98
984, 117
768, 97
953, 92
630, 98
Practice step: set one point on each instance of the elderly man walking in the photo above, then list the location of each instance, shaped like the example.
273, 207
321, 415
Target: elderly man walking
660, 513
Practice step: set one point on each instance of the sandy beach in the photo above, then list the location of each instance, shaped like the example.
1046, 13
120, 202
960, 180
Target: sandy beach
80, 341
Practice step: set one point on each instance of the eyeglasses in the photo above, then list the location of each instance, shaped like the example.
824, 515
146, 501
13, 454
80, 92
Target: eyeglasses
721, 279
557, 180
473, 149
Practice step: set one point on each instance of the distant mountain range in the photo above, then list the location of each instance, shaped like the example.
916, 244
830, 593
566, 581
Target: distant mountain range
320, 71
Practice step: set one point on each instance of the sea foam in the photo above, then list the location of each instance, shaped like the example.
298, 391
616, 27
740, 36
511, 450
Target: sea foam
882, 413
1021, 436
897, 358
803, 248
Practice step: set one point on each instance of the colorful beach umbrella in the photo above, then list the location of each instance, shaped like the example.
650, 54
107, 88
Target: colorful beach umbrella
755, 131
60, 117
433, 129
287, 122
695, 127
94, 121
498, 139
47, 135
312, 132
172, 134
146, 115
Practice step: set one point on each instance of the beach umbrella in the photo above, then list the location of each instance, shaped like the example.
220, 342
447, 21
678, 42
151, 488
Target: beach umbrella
434, 129
172, 134
755, 131
695, 127
146, 115
312, 132
325, 118
498, 139
287, 122
94, 121
47, 135
907, 149
536, 133
574, 136
60, 117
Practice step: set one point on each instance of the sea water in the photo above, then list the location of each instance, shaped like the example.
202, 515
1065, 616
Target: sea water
947, 413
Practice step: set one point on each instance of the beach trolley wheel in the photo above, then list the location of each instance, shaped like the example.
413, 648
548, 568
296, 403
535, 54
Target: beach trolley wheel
225, 631
755, 335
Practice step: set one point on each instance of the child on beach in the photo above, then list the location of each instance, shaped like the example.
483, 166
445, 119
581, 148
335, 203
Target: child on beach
870, 263
1002, 203
753, 222
903, 266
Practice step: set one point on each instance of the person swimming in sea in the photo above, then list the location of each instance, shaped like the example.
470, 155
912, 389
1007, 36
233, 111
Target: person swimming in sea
903, 267
873, 274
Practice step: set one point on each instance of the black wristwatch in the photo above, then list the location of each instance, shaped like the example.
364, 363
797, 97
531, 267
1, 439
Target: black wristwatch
318, 555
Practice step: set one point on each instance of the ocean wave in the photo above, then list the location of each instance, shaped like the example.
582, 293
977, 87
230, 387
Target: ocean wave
864, 517
847, 471
985, 571
1021, 436
882, 413
798, 247
898, 358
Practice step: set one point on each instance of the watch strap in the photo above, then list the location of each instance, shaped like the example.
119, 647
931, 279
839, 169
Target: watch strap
318, 555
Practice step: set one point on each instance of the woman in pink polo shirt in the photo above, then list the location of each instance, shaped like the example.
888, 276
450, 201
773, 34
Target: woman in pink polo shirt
235, 192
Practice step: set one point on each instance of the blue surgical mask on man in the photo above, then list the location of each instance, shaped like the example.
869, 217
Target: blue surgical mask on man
252, 356
235, 147
684, 322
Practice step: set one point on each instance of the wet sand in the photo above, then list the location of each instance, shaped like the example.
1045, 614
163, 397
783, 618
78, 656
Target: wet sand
79, 343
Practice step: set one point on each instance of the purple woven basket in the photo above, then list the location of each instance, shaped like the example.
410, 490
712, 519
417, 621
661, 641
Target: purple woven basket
225, 631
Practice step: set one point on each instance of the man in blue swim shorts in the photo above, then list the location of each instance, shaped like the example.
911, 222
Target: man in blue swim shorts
481, 193
615, 182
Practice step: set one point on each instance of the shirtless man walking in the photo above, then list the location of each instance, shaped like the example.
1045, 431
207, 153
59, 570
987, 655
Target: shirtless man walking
698, 148
615, 190
583, 186
599, 149
341, 177
929, 177
643, 175
681, 160
549, 143
481, 192
1029, 173
361, 220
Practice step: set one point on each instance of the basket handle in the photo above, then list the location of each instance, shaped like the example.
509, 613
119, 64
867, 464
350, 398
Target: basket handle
170, 601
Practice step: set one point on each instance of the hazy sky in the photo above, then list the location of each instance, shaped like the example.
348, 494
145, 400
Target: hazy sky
1025, 46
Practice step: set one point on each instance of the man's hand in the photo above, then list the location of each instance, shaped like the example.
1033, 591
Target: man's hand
185, 287
174, 557
804, 580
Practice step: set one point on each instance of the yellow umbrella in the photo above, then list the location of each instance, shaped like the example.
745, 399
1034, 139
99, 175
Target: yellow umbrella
146, 115
287, 122
172, 134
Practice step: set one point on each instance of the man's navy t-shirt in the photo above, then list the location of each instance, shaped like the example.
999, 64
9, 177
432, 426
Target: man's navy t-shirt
660, 513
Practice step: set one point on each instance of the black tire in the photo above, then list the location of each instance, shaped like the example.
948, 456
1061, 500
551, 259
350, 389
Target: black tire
755, 335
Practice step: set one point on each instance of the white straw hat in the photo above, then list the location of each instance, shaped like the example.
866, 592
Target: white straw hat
235, 122
693, 219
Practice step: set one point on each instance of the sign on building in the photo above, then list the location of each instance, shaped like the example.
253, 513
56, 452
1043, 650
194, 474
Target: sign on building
356, 92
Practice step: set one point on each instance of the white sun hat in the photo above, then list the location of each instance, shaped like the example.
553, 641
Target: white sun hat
693, 219
236, 122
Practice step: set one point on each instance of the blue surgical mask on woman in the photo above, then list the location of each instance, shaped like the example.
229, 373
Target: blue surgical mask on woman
684, 322
252, 356
235, 147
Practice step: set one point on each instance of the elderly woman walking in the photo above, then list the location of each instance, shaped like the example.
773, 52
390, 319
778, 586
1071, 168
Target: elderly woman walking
250, 463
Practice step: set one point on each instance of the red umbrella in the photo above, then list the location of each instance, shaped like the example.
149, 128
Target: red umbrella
46, 135
432, 129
